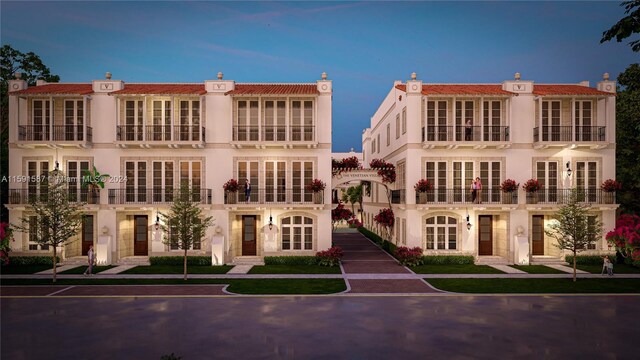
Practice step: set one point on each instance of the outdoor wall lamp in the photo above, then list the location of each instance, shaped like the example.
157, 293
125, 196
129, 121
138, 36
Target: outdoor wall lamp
568, 168
157, 222
468, 223
270, 220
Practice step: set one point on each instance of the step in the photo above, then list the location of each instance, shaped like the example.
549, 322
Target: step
248, 260
547, 260
240, 269
491, 260
76, 260
134, 260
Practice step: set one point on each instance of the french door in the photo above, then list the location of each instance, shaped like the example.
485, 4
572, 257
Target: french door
275, 181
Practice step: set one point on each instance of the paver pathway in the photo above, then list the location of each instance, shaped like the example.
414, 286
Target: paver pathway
59, 269
240, 269
117, 270
567, 269
361, 256
507, 269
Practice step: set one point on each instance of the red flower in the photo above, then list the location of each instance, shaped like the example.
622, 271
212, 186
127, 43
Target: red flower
231, 185
423, 185
610, 185
315, 185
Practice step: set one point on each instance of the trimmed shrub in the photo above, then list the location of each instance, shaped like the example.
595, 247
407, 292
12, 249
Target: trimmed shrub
179, 260
371, 235
290, 260
588, 259
409, 256
32, 260
448, 260
329, 257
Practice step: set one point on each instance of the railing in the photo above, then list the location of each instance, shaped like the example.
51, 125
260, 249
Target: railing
464, 196
273, 133
275, 195
569, 133
53, 133
465, 133
398, 196
562, 196
25, 196
155, 196
160, 133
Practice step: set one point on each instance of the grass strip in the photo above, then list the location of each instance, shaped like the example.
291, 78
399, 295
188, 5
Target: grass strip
172, 269
295, 269
617, 269
81, 269
536, 286
23, 269
239, 286
455, 269
537, 269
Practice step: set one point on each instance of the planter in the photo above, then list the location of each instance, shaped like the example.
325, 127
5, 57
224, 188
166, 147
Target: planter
532, 197
422, 198
231, 197
318, 197
608, 197
508, 198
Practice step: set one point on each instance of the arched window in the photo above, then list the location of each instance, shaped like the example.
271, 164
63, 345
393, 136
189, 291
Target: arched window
442, 233
297, 233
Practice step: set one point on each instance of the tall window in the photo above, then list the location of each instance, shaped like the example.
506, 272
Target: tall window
587, 180
191, 174
442, 233
401, 176
379, 144
547, 175
136, 185
297, 233
33, 234
583, 115
551, 121
436, 121
404, 120
248, 170
189, 120
73, 120
490, 178
75, 171
134, 120
274, 120
404, 232
247, 120
37, 172
161, 129
302, 175
388, 134
41, 120
464, 116
462, 177
492, 119
398, 126
373, 146
436, 173
302, 120
162, 181
275, 181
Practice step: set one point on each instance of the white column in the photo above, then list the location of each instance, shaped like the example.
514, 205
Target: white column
454, 118
573, 118
144, 119
481, 117
540, 130
287, 120
85, 100
51, 119
260, 119
173, 123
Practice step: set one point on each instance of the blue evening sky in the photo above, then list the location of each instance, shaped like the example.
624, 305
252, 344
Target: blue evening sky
363, 47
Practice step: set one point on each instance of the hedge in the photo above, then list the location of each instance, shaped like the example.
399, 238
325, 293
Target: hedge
448, 259
32, 260
290, 260
384, 244
179, 260
588, 259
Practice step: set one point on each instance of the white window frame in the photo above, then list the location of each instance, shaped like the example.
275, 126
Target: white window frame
289, 230
449, 229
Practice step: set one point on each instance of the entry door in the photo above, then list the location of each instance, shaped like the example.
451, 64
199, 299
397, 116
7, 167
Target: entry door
537, 235
485, 235
248, 235
87, 233
140, 235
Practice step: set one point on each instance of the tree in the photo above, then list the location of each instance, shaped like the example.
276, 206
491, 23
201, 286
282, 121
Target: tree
57, 219
627, 26
573, 230
628, 139
32, 69
185, 223
353, 195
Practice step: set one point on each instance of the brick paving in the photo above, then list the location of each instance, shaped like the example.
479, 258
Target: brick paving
379, 286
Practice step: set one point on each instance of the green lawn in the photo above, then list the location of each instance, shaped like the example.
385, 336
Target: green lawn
82, 269
455, 269
23, 269
295, 269
172, 269
617, 269
537, 269
560, 286
240, 286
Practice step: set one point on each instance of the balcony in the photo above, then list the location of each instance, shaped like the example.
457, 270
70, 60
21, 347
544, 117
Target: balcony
477, 137
274, 135
145, 196
398, 196
569, 136
62, 135
464, 197
275, 196
23, 196
164, 135
562, 196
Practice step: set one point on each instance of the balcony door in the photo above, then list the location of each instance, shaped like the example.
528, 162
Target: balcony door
465, 121
247, 170
75, 171
41, 130
302, 175
490, 177
301, 120
37, 171
587, 180
463, 174
134, 120
247, 128
492, 119
436, 174
547, 175
162, 181
73, 120
275, 181
437, 129
583, 121
191, 175
190, 121
551, 130
136, 185
161, 129
274, 126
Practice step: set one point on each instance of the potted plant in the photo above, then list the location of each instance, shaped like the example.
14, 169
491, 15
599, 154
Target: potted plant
609, 187
317, 187
509, 187
93, 181
231, 188
531, 187
422, 187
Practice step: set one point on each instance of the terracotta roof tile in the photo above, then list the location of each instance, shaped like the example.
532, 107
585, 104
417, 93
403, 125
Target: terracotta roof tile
281, 89
162, 89
56, 89
553, 89
460, 89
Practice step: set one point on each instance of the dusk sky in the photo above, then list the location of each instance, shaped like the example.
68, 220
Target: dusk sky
363, 47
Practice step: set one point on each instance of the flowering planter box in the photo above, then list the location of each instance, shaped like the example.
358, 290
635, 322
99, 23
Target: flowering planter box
509, 198
317, 197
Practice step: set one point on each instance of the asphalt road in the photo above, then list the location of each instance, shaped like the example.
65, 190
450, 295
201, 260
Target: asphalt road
430, 327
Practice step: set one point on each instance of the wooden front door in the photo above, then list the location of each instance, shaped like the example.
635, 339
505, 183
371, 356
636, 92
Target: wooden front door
248, 235
140, 235
537, 235
485, 235
87, 233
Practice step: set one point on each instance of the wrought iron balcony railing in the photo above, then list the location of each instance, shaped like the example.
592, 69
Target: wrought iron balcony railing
273, 133
465, 196
25, 196
49, 133
562, 196
463, 133
151, 133
135, 195
569, 133
275, 195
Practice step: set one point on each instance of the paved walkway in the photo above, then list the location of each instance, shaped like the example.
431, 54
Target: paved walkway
59, 269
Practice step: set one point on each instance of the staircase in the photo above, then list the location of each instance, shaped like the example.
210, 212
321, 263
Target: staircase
491, 260
547, 260
248, 260
134, 260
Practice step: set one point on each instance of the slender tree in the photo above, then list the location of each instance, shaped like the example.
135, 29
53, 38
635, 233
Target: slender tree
58, 220
627, 26
572, 229
353, 195
185, 223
